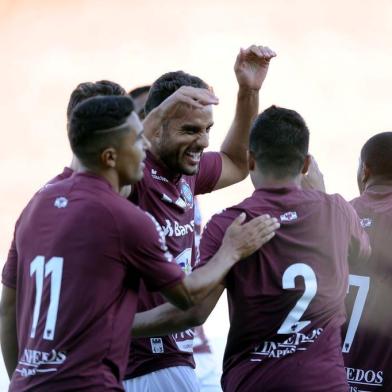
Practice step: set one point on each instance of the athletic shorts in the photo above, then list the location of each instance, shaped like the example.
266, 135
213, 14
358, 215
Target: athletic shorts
173, 379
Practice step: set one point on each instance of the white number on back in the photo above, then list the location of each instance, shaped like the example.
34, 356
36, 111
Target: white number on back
54, 268
363, 283
291, 323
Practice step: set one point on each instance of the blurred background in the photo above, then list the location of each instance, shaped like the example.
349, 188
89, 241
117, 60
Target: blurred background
334, 67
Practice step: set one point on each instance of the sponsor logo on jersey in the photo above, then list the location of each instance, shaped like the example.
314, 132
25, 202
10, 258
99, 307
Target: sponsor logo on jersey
61, 202
155, 176
174, 229
296, 342
34, 362
366, 222
364, 378
186, 193
157, 345
288, 216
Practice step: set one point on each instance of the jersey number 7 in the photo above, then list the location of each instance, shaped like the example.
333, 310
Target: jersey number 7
363, 288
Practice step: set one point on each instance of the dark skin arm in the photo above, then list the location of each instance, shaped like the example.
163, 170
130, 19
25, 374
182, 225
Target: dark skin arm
8, 336
166, 318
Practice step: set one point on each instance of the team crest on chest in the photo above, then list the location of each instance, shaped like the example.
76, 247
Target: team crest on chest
186, 193
366, 222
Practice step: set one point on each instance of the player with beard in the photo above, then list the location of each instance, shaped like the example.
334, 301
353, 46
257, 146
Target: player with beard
206, 370
286, 301
176, 170
367, 344
70, 286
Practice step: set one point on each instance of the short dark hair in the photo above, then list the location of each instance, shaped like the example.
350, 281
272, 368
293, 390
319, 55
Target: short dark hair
279, 141
88, 121
376, 154
138, 91
167, 84
92, 89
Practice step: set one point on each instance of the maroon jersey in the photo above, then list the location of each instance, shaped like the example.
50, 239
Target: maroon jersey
80, 252
286, 301
67, 172
170, 199
367, 337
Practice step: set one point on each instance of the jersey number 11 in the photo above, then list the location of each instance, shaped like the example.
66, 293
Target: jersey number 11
41, 270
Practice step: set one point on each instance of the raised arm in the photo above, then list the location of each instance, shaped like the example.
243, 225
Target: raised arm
251, 68
189, 96
313, 179
9, 342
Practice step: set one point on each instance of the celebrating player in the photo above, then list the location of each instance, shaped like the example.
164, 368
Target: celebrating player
367, 344
286, 302
71, 283
176, 170
206, 370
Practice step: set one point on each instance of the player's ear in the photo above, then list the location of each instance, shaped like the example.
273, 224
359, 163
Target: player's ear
251, 161
306, 164
109, 157
362, 176
366, 173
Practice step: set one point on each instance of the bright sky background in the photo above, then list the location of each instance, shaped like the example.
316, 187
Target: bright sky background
334, 66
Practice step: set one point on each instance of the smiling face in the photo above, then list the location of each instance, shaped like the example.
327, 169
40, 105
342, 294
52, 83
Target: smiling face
182, 140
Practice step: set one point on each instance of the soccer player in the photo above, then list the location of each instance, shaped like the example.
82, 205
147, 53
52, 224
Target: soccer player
70, 288
286, 301
367, 338
176, 170
206, 370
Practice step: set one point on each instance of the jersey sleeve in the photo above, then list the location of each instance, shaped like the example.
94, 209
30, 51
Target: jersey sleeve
9, 275
359, 248
211, 239
147, 252
209, 173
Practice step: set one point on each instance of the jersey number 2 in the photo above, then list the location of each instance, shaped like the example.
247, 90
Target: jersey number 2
54, 268
291, 324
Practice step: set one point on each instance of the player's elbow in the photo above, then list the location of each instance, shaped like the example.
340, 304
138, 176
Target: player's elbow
197, 316
185, 302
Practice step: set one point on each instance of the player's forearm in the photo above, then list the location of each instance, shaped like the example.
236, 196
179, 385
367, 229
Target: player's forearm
9, 343
163, 320
235, 145
201, 282
166, 318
